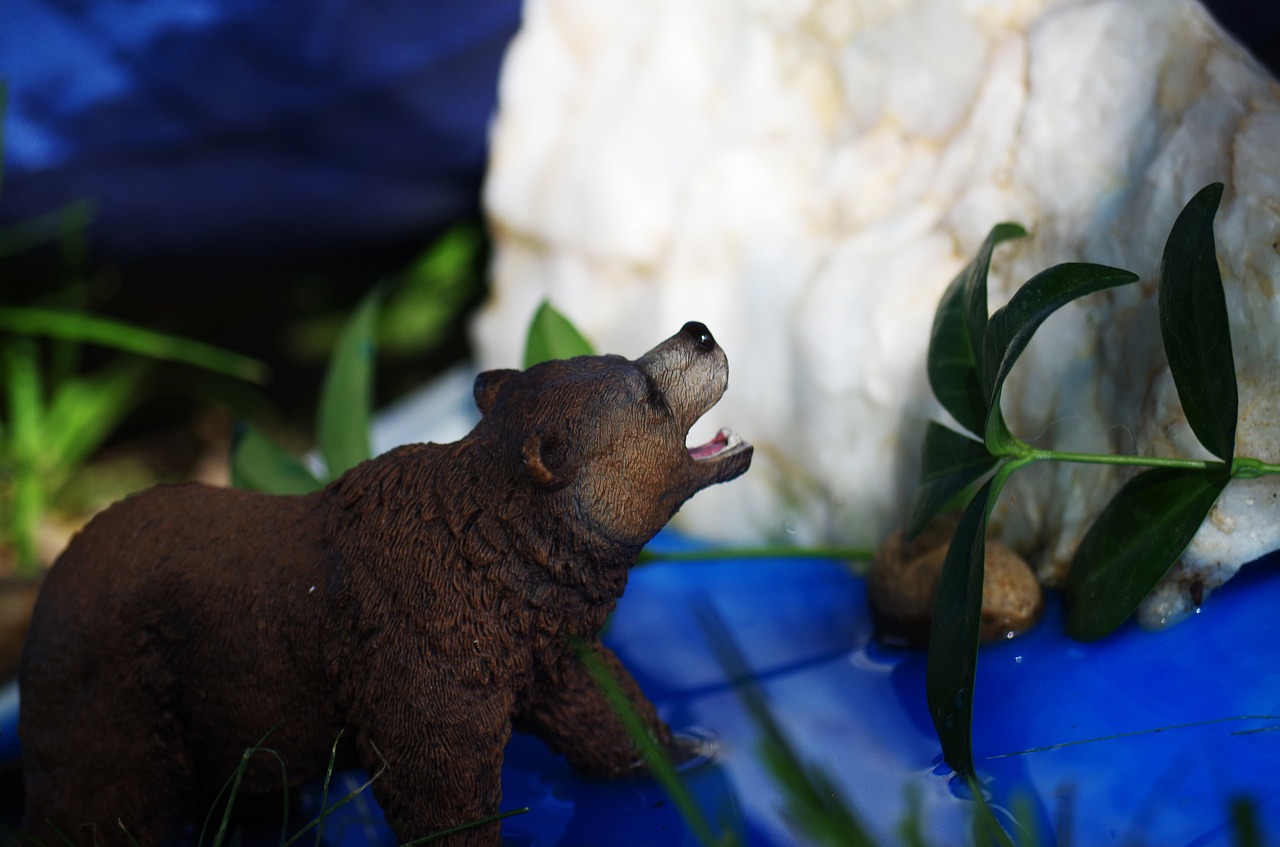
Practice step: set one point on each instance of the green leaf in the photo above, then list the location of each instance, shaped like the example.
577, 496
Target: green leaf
1134, 542
90, 329
52, 226
950, 463
1194, 327
997, 438
953, 636
975, 287
85, 410
431, 293
346, 398
953, 374
259, 464
1011, 327
24, 396
552, 336
22, 456
960, 320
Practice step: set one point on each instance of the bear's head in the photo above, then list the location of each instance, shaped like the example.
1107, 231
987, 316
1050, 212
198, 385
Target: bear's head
602, 439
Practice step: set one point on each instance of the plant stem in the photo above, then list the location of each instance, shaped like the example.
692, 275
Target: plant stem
1109, 459
777, 551
1242, 467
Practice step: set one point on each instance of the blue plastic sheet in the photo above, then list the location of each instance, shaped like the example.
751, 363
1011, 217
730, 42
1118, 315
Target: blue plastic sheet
1142, 738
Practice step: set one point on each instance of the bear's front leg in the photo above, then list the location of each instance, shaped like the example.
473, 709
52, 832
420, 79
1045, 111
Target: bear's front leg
437, 762
566, 708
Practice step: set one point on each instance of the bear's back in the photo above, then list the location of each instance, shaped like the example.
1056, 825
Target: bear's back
172, 557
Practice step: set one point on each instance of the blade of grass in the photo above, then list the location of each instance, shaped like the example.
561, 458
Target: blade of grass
346, 398
655, 757
85, 410
90, 329
231, 788
500, 816
318, 821
24, 452
1244, 823
324, 792
552, 336
259, 464
813, 800
909, 828
987, 828
775, 551
1028, 821
127, 833
41, 229
1194, 326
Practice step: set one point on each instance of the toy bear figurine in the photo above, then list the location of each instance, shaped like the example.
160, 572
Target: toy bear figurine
421, 605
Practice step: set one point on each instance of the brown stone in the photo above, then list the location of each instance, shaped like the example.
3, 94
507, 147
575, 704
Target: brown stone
903, 581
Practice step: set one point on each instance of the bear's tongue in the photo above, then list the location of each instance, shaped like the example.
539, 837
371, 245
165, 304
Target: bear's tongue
724, 440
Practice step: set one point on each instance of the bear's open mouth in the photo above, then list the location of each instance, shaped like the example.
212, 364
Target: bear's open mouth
726, 441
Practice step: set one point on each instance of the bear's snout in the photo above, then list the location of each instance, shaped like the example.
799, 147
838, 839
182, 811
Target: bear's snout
690, 369
692, 372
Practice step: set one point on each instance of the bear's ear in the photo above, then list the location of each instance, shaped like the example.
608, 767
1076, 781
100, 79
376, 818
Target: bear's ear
487, 386
546, 456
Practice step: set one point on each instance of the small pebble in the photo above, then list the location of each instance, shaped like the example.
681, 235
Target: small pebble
903, 580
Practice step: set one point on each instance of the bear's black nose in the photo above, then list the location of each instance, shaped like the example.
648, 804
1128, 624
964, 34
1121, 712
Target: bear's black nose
702, 337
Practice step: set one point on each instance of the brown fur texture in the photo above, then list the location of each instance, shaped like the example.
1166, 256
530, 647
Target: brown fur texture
421, 605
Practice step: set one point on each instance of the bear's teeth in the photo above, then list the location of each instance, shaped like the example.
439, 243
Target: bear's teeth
726, 439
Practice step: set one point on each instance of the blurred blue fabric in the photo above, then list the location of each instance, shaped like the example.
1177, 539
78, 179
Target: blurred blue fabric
244, 128
241, 127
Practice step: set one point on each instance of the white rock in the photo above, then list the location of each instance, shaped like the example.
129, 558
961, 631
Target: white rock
806, 176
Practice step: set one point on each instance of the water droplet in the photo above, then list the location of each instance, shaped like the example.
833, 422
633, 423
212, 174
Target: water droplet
959, 787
